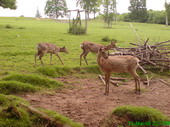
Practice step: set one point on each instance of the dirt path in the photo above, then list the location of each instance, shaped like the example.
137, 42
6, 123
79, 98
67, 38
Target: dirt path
83, 99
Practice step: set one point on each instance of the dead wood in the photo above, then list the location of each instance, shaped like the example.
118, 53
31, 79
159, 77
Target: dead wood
164, 82
100, 76
116, 78
156, 55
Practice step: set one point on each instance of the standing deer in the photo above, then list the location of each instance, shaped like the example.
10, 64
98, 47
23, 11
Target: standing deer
119, 64
93, 47
44, 48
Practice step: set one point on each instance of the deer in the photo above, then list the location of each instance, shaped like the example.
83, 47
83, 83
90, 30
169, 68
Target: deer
44, 48
118, 64
93, 47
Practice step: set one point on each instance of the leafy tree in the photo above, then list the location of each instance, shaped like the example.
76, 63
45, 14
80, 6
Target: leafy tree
11, 4
95, 4
90, 6
157, 17
138, 10
85, 4
109, 11
56, 8
167, 10
38, 15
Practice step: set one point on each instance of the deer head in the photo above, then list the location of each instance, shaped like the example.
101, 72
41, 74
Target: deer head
102, 53
63, 49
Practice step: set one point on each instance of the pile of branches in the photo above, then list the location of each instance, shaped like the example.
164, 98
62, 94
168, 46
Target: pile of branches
156, 55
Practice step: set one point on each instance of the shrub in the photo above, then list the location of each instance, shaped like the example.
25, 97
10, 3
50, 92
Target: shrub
9, 26
107, 39
77, 30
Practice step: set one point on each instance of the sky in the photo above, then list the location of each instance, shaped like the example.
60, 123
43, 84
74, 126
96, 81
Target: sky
28, 8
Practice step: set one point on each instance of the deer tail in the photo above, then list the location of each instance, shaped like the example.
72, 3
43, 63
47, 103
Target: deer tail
82, 46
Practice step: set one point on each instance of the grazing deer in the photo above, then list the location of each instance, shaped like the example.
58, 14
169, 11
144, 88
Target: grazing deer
93, 47
119, 64
44, 48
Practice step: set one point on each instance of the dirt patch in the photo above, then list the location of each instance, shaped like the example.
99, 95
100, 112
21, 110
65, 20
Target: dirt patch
83, 100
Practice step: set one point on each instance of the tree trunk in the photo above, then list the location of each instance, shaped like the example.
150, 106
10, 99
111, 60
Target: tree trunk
166, 20
94, 15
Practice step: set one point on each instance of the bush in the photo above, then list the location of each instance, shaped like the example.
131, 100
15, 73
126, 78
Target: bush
9, 26
107, 39
77, 30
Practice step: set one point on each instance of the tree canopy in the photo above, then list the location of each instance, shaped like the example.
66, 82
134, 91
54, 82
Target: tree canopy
11, 4
138, 10
109, 11
56, 8
90, 5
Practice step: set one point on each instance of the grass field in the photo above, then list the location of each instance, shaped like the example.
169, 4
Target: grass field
18, 43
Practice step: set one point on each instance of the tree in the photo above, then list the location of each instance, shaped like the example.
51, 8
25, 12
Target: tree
95, 4
90, 6
11, 4
138, 10
38, 15
167, 10
56, 8
109, 11
85, 4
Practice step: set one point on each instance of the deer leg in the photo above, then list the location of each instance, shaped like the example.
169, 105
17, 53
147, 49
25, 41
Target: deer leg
50, 58
85, 57
40, 57
81, 56
60, 59
137, 80
35, 63
107, 79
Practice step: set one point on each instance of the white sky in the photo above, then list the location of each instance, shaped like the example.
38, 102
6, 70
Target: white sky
28, 8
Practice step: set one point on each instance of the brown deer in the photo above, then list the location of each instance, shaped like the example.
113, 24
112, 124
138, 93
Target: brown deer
44, 48
119, 64
93, 47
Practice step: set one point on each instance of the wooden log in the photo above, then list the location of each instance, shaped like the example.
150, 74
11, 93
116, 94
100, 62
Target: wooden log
116, 78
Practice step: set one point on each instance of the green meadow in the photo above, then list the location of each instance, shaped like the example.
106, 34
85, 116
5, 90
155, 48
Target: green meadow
18, 42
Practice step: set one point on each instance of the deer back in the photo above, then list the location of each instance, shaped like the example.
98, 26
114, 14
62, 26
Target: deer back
118, 64
48, 48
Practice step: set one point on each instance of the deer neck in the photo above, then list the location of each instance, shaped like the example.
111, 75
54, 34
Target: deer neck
99, 58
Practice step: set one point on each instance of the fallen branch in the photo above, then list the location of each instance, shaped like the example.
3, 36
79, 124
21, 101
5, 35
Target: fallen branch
100, 76
116, 78
164, 82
